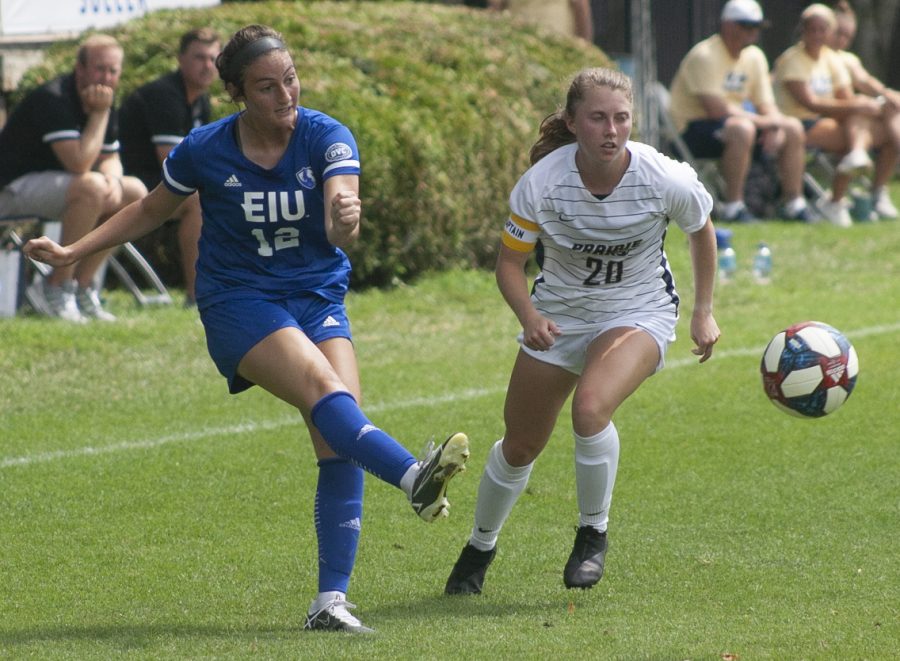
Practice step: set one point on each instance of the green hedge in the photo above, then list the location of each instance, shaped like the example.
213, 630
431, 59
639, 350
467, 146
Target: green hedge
444, 101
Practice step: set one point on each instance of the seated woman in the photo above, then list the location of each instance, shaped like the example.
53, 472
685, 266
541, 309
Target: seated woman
866, 83
813, 84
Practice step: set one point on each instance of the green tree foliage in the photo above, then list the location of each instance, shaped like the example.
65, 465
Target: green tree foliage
444, 102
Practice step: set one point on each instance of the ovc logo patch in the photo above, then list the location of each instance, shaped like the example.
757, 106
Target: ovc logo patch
338, 152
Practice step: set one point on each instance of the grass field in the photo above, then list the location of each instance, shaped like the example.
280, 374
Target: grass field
146, 514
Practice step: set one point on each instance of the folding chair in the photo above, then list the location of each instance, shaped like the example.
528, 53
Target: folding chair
673, 144
151, 291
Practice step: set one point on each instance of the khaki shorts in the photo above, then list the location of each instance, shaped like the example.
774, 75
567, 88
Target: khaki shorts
570, 348
36, 194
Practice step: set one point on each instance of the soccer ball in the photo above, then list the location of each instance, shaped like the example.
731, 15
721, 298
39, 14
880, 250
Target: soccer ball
809, 369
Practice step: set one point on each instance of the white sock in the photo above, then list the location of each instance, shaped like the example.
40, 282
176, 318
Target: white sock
409, 478
323, 599
596, 461
498, 491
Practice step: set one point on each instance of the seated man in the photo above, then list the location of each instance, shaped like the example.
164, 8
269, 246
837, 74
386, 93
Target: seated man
866, 83
156, 116
813, 84
723, 103
60, 160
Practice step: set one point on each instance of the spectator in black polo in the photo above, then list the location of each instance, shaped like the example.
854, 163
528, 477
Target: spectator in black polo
60, 160
158, 115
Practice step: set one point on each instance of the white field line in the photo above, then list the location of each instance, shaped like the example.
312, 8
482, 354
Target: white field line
268, 425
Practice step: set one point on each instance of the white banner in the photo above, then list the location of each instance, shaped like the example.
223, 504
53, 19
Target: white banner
21, 17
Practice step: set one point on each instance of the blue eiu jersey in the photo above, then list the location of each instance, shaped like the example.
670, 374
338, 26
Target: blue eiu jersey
264, 230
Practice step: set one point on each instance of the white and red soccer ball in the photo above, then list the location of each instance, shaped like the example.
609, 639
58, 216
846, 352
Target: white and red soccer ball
809, 369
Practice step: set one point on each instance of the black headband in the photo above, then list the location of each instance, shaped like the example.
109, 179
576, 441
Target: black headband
249, 52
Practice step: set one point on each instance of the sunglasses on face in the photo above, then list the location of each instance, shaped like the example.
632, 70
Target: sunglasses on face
749, 25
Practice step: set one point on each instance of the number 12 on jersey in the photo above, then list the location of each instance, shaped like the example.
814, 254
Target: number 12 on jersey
285, 237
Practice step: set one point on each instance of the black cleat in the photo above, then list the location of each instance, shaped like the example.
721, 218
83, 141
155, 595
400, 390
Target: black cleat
468, 572
585, 565
429, 491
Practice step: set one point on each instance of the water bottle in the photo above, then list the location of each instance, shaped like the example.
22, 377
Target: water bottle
762, 263
726, 255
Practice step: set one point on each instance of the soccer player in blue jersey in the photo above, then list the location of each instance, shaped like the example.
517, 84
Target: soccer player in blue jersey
279, 186
595, 206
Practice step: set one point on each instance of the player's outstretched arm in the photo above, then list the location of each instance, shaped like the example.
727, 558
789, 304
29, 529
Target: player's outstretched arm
132, 222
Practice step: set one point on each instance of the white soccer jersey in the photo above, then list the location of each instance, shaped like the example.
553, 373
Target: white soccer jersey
603, 258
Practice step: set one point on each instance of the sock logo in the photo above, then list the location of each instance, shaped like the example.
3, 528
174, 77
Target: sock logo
365, 430
353, 524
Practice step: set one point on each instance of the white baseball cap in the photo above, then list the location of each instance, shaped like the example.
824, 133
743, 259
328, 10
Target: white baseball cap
742, 11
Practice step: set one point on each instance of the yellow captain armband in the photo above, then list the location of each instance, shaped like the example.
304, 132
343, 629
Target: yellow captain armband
520, 234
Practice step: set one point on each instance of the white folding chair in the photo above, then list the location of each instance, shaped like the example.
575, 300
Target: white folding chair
151, 291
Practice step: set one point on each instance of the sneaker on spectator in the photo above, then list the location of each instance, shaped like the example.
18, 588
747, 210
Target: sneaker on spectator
802, 213
55, 301
835, 212
856, 161
741, 215
89, 303
883, 206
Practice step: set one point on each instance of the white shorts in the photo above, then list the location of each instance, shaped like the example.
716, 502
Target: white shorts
36, 193
570, 348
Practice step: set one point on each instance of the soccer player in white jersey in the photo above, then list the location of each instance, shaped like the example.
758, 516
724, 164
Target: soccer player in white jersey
279, 186
596, 207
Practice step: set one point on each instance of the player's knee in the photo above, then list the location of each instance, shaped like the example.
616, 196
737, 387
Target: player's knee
590, 413
520, 451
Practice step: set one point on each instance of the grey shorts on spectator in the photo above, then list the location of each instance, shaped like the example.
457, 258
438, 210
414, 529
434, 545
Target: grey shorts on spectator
37, 193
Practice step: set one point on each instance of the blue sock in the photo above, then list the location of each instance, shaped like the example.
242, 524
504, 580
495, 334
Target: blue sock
338, 513
350, 435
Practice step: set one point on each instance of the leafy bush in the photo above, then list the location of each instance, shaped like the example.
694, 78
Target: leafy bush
444, 101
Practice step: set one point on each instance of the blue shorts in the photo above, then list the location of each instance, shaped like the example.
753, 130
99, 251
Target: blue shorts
234, 327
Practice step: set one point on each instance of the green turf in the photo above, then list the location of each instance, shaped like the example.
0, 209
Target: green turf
147, 514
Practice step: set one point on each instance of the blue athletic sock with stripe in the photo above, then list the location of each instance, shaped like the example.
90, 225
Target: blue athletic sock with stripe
351, 435
338, 516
